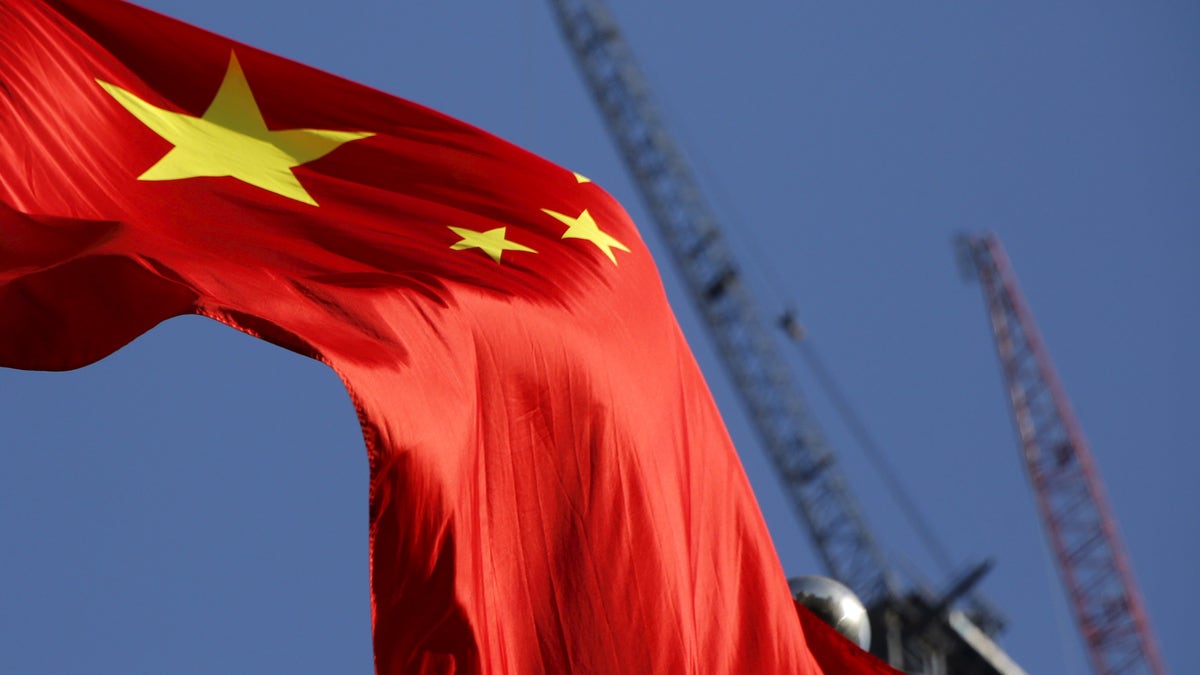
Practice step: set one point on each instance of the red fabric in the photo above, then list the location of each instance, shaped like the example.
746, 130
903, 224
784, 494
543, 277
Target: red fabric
552, 489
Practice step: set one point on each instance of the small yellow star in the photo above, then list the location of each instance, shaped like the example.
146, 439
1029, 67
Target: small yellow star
585, 227
232, 139
492, 242
580, 178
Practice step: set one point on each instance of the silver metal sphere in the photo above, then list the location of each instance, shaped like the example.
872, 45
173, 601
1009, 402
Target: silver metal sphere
837, 606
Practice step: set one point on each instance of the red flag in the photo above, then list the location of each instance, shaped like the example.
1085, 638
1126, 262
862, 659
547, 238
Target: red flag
552, 489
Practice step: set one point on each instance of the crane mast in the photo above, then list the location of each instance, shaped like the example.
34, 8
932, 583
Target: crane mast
1074, 511
805, 465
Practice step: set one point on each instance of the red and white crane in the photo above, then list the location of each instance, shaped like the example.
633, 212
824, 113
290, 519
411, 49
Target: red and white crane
1070, 497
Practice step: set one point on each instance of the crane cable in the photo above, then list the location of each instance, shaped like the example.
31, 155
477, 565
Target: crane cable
825, 380
859, 430
722, 200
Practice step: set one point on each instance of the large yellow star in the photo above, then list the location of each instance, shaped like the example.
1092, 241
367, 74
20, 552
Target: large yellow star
232, 139
492, 242
585, 227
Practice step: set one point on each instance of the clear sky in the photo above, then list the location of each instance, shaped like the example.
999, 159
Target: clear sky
197, 502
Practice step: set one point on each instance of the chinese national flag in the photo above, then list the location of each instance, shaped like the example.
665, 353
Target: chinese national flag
552, 489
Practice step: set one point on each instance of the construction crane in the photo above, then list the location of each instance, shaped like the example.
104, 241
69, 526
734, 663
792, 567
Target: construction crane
917, 630
1074, 511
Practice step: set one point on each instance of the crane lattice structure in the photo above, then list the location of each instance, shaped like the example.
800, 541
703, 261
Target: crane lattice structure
792, 438
915, 630
1074, 511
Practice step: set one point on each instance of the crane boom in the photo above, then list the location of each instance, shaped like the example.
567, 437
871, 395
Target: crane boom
917, 630
1075, 513
789, 434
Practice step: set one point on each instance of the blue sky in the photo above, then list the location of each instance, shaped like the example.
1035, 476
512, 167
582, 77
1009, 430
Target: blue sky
197, 502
